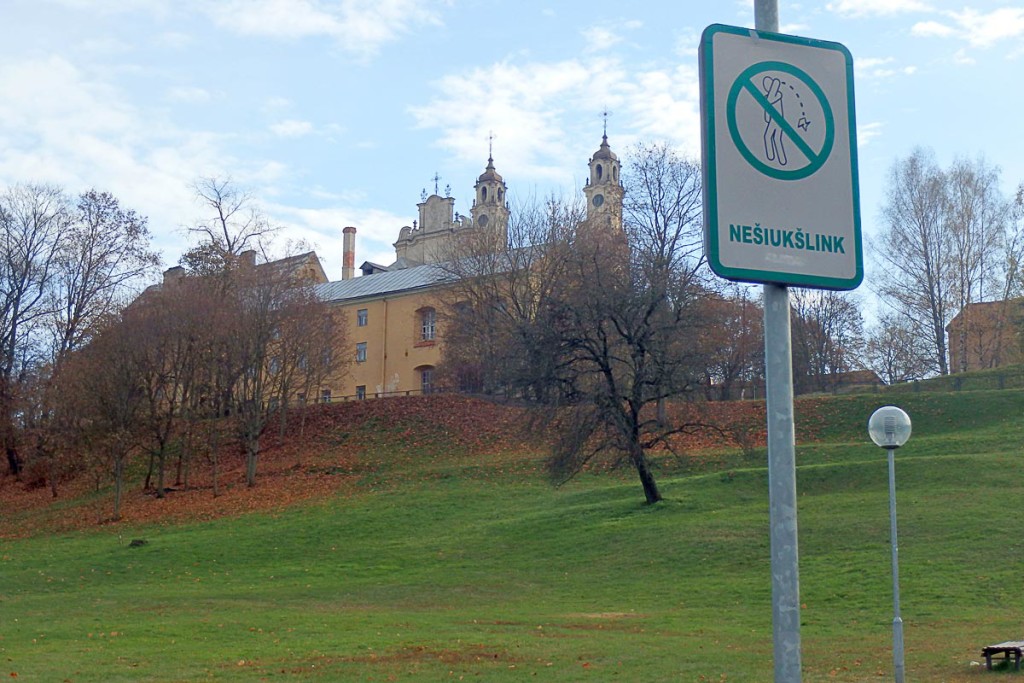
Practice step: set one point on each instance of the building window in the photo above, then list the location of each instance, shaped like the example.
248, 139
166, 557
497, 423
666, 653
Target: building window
302, 398
428, 324
361, 317
361, 392
427, 380
325, 395
361, 352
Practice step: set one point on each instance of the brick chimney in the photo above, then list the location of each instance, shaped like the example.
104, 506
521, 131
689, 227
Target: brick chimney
348, 261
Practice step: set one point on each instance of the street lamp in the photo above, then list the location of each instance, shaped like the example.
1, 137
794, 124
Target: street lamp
889, 428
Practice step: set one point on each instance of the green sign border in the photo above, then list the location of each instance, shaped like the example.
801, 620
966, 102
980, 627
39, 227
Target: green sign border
816, 160
708, 123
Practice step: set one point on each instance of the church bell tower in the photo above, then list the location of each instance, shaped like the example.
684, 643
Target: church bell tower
604, 189
490, 206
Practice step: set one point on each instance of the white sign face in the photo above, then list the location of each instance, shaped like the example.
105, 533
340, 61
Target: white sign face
781, 200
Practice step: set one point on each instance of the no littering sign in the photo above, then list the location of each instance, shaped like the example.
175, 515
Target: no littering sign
780, 159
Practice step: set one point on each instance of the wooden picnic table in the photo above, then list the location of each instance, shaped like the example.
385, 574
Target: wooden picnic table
1010, 649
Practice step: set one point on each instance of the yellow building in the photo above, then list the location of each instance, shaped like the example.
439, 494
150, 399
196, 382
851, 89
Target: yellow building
394, 334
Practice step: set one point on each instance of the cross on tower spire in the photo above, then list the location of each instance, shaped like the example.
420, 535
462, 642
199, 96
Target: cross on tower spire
490, 145
436, 179
605, 114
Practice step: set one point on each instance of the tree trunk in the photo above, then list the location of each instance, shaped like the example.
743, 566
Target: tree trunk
13, 461
149, 472
118, 484
51, 462
252, 450
215, 457
636, 454
160, 468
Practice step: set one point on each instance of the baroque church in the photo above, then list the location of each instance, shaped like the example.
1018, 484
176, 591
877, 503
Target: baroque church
393, 332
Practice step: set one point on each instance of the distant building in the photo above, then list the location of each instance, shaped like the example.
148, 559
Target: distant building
394, 333
986, 335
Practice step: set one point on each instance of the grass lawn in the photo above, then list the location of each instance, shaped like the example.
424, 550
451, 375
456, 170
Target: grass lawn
455, 566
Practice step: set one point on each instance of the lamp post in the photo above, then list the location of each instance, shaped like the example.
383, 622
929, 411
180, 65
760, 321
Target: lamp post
889, 428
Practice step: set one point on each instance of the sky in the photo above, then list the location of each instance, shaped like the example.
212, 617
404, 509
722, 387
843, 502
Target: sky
341, 112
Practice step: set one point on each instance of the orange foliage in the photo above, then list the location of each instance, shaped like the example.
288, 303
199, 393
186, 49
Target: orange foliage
335, 446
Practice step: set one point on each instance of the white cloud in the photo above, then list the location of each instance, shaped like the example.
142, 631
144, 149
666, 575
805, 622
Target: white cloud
526, 105
174, 40
188, 95
961, 57
521, 104
686, 44
793, 29
932, 29
880, 67
80, 133
978, 29
863, 8
322, 228
866, 132
599, 38
984, 30
277, 104
360, 26
292, 128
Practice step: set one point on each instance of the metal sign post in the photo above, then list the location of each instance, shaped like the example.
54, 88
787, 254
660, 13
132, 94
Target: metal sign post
781, 207
778, 360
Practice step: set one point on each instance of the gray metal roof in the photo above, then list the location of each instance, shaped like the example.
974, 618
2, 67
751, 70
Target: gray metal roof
380, 284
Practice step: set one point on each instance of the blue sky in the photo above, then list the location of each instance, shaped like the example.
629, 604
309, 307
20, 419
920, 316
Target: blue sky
340, 112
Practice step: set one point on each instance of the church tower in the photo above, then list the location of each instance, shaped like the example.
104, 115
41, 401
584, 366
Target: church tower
490, 206
604, 189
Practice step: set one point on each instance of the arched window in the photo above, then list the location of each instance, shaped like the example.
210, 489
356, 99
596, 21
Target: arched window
483, 194
615, 174
600, 171
426, 379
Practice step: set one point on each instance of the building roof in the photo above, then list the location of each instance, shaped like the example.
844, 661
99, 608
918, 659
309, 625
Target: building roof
380, 284
985, 310
605, 150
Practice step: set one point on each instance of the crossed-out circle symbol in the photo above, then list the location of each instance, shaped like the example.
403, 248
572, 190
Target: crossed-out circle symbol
774, 116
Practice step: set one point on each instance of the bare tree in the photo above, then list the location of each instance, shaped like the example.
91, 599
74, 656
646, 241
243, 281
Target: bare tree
895, 351
104, 256
270, 304
662, 210
946, 247
593, 325
914, 252
34, 220
733, 346
102, 396
976, 218
234, 224
827, 334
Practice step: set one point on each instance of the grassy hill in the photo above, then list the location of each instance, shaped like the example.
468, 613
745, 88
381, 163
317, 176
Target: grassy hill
425, 543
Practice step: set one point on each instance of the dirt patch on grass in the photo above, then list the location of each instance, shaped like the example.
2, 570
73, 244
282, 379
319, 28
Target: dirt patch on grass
472, 654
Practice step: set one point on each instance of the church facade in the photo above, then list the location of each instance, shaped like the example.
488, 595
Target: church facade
394, 327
